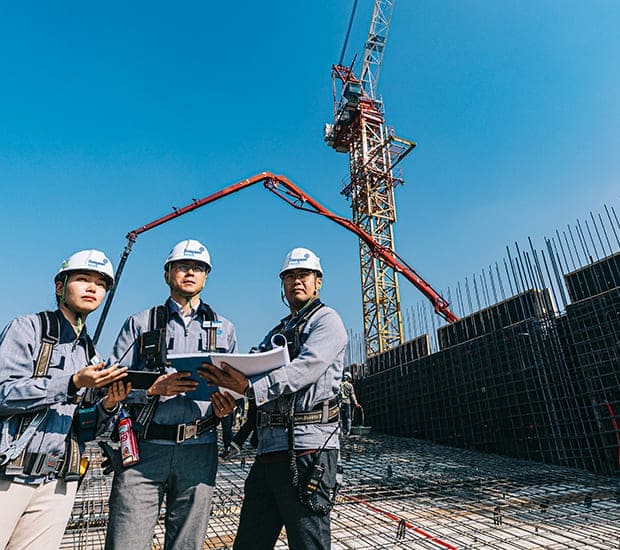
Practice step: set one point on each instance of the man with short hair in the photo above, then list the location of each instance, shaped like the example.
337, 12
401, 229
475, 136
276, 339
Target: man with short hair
177, 434
39, 449
292, 482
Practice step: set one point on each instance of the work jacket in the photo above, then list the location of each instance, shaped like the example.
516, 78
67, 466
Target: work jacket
180, 338
20, 393
312, 377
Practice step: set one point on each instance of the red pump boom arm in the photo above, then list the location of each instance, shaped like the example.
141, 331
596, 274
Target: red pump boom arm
293, 195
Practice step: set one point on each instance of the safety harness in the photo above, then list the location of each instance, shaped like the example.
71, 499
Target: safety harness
325, 412
153, 348
15, 458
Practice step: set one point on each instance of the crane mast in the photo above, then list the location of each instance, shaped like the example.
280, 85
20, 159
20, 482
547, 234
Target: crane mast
359, 129
375, 45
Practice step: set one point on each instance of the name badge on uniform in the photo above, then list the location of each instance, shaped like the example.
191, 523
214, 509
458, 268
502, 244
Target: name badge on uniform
212, 330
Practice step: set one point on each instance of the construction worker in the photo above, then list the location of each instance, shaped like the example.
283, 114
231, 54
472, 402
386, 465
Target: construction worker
177, 436
39, 425
346, 397
292, 482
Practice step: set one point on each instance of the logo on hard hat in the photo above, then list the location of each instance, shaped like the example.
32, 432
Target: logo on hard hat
189, 252
95, 263
298, 260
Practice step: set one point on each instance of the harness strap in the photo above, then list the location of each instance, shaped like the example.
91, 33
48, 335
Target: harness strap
14, 453
50, 336
15, 458
29, 422
71, 466
158, 320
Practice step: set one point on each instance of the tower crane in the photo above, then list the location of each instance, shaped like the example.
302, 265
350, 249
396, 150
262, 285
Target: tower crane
359, 129
374, 152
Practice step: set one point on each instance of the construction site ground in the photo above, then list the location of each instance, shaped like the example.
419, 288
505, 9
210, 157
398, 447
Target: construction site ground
407, 493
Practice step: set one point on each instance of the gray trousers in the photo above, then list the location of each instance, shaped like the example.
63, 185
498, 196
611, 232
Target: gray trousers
185, 474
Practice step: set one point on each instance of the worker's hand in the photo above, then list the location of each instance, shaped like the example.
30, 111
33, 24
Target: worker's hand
357, 405
116, 393
223, 404
226, 377
96, 376
172, 383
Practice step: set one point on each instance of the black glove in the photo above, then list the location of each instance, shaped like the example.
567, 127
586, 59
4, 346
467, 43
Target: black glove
113, 461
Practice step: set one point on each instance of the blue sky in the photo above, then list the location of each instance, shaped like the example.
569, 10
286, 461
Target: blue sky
112, 113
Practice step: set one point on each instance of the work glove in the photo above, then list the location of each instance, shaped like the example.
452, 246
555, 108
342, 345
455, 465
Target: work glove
113, 461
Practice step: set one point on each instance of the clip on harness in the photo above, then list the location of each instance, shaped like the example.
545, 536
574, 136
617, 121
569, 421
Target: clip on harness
326, 412
152, 347
15, 458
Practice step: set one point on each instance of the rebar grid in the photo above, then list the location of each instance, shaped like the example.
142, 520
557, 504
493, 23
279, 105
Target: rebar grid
407, 493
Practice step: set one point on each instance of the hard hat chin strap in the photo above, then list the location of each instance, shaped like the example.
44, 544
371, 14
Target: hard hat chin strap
188, 297
314, 296
78, 315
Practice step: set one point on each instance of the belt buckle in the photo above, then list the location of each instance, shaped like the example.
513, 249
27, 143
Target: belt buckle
263, 419
186, 431
44, 465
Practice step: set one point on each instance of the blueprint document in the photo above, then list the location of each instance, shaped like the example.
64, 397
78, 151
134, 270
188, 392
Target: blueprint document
249, 364
252, 364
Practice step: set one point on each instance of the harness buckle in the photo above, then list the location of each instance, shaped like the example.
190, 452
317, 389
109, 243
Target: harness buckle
186, 431
45, 464
263, 419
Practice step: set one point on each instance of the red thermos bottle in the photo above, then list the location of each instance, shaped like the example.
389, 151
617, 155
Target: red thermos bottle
129, 443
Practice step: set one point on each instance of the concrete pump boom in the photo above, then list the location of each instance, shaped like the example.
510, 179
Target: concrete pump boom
293, 195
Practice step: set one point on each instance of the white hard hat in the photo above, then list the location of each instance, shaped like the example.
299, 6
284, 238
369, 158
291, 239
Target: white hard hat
346, 376
301, 258
189, 249
88, 260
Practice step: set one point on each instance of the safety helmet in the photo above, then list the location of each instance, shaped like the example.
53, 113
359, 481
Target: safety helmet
346, 376
189, 249
88, 260
301, 258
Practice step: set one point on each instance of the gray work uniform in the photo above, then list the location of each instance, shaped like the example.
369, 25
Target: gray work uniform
185, 472
20, 393
270, 499
347, 398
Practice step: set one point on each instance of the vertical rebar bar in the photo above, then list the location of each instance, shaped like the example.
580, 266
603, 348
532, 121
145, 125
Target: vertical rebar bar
611, 224
600, 219
570, 232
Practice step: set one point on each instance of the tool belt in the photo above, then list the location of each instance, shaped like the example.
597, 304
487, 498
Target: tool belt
324, 413
180, 432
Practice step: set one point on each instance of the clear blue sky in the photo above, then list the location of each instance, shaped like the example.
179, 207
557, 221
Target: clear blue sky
114, 112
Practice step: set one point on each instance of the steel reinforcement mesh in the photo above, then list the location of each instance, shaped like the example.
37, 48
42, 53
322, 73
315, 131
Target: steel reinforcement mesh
514, 378
406, 493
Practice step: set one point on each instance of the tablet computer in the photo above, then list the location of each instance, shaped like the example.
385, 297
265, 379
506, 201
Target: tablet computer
141, 379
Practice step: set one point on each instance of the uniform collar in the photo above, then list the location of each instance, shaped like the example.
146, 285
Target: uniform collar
174, 307
67, 334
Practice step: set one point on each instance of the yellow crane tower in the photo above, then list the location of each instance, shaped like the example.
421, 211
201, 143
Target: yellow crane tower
359, 129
